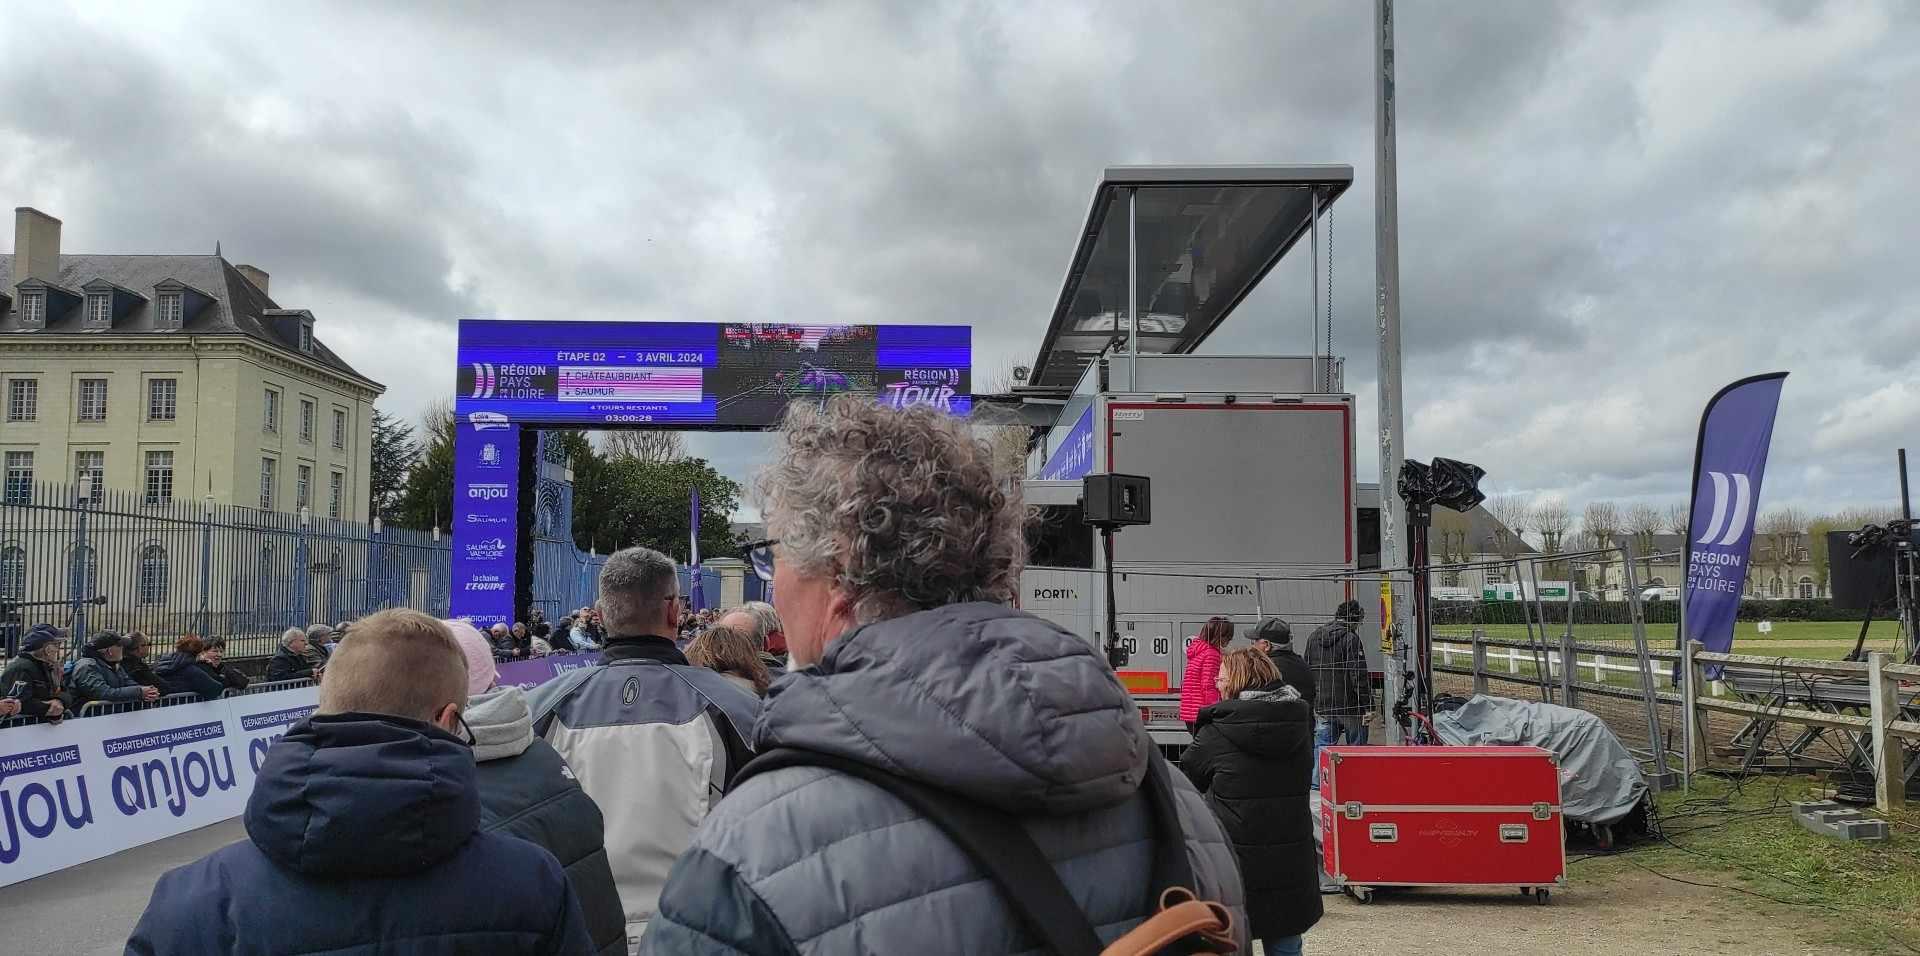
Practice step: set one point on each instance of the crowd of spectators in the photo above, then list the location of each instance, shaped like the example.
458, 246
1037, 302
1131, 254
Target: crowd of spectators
110, 668
742, 781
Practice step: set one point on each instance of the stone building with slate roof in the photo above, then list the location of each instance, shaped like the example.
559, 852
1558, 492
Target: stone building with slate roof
175, 377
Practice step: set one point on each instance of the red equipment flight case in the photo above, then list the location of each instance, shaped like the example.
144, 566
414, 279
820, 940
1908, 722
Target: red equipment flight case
1441, 816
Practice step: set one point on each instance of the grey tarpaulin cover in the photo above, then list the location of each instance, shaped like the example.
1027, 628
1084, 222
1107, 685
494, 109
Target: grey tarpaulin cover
1599, 779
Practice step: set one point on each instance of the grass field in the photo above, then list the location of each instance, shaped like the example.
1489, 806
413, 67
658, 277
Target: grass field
1864, 895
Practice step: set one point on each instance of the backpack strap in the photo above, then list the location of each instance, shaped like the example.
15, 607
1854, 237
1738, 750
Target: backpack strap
994, 841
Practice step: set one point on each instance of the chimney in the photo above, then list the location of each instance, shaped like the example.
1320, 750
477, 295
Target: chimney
256, 276
36, 245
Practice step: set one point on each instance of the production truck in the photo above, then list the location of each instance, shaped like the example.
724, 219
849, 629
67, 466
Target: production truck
1255, 511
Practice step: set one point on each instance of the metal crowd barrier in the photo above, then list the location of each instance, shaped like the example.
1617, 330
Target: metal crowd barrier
101, 708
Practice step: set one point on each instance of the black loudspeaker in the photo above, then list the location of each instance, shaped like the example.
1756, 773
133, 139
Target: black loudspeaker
1860, 581
1115, 501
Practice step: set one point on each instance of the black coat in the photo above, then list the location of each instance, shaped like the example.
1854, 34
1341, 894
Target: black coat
363, 836
1253, 758
1294, 671
183, 673
287, 665
527, 791
141, 672
33, 682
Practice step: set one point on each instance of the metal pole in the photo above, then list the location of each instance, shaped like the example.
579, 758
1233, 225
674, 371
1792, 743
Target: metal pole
1569, 672
1649, 692
77, 576
1386, 267
1690, 710
302, 575
1133, 288
206, 566
1313, 271
1113, 615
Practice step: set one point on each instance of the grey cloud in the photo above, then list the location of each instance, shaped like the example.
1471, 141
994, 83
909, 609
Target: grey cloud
1607, 211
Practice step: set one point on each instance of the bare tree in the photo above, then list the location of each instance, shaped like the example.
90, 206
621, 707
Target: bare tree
649, 445
1855, 518
1009, 442
1600, 523
1515, 515
1783, 534
1675, 518
1449, 544
1642, 521
1552, 519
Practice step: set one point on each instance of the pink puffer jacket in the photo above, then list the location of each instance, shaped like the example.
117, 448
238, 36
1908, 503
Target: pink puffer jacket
1196, 686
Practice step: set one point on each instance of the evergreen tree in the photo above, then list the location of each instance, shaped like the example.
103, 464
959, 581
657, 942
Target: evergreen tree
426, 498
393, 455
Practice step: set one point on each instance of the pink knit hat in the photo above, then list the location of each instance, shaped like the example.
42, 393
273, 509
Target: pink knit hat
481, 671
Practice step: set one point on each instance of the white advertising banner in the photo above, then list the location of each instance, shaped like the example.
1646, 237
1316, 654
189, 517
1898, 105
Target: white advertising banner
85, 789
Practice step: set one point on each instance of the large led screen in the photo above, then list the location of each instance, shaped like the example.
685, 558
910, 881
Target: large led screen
694, 375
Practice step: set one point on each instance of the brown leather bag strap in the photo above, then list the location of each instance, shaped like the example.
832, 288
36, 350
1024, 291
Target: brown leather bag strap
1204, 925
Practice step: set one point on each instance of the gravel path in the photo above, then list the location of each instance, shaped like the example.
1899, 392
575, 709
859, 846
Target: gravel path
1632, 913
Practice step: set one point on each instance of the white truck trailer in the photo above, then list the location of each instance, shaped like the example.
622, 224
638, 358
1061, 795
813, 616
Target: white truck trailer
1255, 506
1256, 512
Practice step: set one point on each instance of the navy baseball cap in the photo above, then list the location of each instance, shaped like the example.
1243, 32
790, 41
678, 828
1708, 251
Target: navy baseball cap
40, 635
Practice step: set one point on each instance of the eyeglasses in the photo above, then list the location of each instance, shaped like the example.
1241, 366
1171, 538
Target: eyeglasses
471, 740
760, 555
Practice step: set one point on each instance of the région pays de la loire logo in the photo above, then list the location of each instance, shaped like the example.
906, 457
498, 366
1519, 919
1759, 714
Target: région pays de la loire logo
1728, 524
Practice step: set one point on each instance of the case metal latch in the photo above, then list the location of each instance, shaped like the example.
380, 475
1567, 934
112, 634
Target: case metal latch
1354, 810
1543, 811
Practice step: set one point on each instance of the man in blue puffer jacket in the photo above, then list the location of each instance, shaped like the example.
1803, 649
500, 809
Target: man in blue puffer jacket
364, 829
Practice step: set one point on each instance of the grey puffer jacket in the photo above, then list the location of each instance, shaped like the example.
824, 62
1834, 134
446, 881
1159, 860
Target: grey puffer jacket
983, 701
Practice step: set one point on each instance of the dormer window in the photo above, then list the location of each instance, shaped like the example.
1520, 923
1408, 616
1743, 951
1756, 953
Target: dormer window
306, 336
172, 315
33, 310
99, 310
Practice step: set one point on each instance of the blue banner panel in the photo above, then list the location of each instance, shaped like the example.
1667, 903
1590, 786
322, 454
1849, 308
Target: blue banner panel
1735, 433
1074, 457
486, 496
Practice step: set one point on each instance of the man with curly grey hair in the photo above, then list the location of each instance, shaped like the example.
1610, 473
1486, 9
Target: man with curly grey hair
899, 546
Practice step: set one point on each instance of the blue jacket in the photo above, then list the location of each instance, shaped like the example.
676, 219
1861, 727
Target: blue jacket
363, 837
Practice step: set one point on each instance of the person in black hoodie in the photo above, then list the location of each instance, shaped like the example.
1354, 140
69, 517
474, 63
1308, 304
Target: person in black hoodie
1274, 638
1252, 757
527, 791
195, 667
363, 829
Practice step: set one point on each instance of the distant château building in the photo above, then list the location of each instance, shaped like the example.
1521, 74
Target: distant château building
175, 377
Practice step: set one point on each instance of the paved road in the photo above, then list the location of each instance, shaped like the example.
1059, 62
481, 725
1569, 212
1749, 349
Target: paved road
89, 909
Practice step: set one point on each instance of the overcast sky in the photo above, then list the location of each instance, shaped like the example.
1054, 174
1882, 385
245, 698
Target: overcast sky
1608, 210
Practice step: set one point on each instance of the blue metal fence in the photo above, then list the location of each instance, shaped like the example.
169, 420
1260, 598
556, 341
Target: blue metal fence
122, 561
